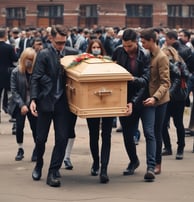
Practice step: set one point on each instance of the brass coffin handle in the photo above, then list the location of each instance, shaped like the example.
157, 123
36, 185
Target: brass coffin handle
103, 92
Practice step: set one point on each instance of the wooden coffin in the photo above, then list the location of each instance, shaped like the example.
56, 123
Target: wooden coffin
96, 87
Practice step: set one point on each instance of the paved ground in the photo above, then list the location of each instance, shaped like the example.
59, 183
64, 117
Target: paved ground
175, 184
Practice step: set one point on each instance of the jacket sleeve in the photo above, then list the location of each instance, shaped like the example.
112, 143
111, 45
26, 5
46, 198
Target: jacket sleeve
38, 76
14, 89
141, 82
175, 76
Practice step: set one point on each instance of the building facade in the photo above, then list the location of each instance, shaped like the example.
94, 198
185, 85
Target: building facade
89, 13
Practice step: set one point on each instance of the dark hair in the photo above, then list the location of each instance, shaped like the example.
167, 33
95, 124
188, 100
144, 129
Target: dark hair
186, 33
37, 39
58, 29
2, 32
98, 31
172, 35
89, 49
129, 34
149, 34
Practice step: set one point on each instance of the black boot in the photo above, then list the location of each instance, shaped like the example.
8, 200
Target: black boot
20, 155
37, 173
52, 180
167, 152
103, 176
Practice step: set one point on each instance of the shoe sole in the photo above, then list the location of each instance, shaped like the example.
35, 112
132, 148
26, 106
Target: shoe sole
179, 158
170, 154
53, 185
19, 159
36, 178
69, 168
125, 173
104, 180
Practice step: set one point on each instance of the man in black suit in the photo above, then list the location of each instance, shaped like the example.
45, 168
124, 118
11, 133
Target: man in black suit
25, 42
7, 58
49, 103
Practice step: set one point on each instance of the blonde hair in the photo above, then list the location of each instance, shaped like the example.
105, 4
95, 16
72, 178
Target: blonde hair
173, 53
26, 54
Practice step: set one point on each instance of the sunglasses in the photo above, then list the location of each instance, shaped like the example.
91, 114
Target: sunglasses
60, 43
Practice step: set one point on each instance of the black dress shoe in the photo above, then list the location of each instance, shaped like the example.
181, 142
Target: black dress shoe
103, 176
37, 173
131, 168
52, 180
20, 155
94, 171
68, 164
167, 152
179, 156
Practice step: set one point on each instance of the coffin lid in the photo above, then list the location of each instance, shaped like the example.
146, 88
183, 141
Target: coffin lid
98, 69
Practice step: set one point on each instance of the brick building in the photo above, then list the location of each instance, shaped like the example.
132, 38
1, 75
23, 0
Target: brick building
87, 13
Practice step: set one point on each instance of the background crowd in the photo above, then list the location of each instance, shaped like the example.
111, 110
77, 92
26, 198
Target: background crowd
160, 60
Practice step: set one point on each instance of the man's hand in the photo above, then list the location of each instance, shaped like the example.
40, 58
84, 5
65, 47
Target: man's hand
24, 110
129, 109
33, 108
151, 101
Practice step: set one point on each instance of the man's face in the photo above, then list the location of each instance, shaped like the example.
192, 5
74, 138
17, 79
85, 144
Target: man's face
169, 41
183, 37
38, 46
145, 43
129, 46
59, 42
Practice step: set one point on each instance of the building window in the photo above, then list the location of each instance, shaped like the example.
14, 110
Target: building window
139, 15
174, 11
139, 10
88, 15
48, 15
191, 10
181, 16
15, 17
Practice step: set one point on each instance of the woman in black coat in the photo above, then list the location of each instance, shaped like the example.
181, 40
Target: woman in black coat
179, 75
20, 89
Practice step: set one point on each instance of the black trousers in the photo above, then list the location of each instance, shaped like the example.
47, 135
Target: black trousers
94, 130
60, 118
175, 109
72, 122
20, 122
5, 98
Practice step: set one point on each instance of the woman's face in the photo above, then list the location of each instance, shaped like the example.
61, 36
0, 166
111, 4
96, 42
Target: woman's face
96, 50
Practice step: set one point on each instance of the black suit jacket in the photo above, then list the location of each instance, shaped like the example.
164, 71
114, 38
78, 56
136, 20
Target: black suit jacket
45, 75
29, 43
7, 58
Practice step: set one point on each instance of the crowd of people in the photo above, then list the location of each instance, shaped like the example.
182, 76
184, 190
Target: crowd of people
162, 66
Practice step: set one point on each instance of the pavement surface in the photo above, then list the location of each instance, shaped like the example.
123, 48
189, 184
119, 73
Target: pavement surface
174, 184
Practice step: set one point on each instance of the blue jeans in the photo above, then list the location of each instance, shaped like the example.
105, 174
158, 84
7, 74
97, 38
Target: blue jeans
130, 124
158, 128
148, 120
